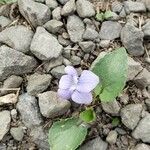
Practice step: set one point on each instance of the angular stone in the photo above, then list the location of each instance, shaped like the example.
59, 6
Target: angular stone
58, 71
4, 123
40, 137
132, 39
110, 30
52, 4
63, 1
116, 6
11, 82
112, 137
85, 8
37, 83
53, 63
75, 28
133, 68
95, 144
44, 45
56, 13
69, 8
130, 115
112, 108
131, 6
87, 46
90, 34
142, 146
146, 30
19, 64
22, 39
17, 133
8, 99
29, 111
53, 26
147, 101
142, 80
75, 60
51, 105
4, 21
35, 13
142, 131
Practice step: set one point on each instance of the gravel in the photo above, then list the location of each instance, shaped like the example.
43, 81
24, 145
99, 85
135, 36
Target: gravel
51, 105
22, 39
44, 45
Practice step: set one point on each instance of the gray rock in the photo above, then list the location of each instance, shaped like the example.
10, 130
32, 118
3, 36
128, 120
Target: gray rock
134, 68
22, 39
112, 108
14, 114
142, 131
95, 144
51, 105
35, 13
116, 6
53, 63
56, 13
52, 4
147, 4
142, 80
40, 137
104, 43
67, 53
66, 62
4, 123
90, 34
69, 8
28, 109
19, 64
75, 60
132, 39
5, 10
75, 28
130, 115
87, 46
44, 45
110, 30
63, 41
57, 72
37, 83
4, 21
53, 26
142, 146
146, 30
147, 101
11, 82
112, 137
122, 13
85, 8
131, 6
63, 1
17, 133
3, 146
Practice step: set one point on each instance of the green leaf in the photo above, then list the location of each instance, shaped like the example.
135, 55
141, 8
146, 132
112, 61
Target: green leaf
112, 70
99, 16
88, 115
66, 134
115, 122
97, 90
108, 14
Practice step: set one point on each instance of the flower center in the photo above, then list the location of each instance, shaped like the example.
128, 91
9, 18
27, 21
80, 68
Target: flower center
74, 84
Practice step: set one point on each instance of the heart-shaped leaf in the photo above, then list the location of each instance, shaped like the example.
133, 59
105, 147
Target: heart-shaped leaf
112, 70
66, 134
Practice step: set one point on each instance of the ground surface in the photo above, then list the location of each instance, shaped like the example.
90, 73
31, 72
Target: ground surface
38, 39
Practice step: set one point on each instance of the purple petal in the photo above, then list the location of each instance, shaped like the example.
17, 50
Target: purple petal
81, 98
71, 71
65, 94
87, 81
65, 82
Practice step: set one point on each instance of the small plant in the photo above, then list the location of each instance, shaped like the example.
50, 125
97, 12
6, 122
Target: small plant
104, 16
108, 75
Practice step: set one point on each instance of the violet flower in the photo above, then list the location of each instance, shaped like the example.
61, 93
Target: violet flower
77, 88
